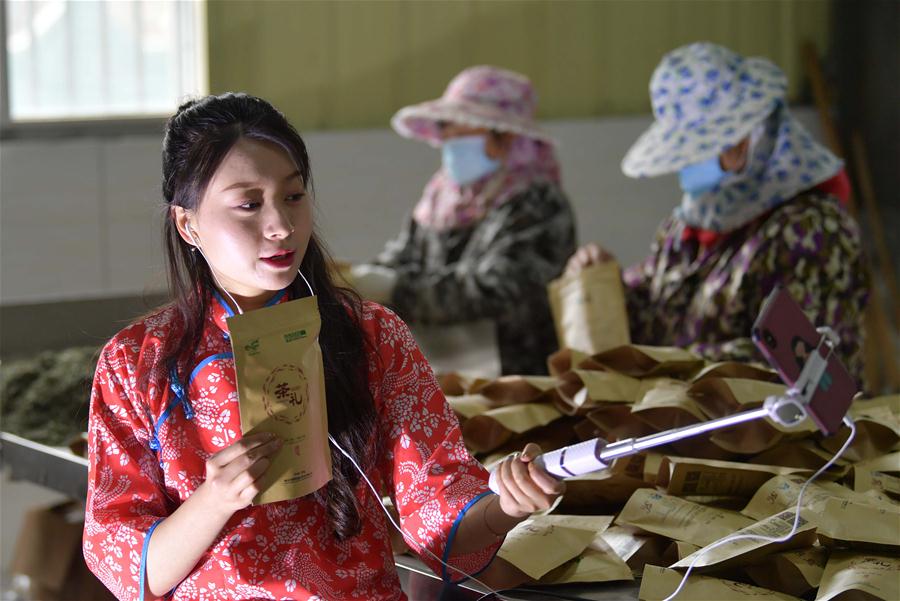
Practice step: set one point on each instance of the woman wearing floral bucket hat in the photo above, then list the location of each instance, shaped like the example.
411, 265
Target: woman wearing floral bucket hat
493, 225
761, 205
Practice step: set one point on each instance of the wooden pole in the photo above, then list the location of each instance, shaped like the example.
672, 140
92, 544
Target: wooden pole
867, 193
878, 351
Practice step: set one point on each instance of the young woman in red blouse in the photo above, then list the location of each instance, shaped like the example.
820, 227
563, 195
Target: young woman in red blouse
171, 478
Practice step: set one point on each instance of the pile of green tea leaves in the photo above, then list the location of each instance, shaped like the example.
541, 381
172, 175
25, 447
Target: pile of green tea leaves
44, 398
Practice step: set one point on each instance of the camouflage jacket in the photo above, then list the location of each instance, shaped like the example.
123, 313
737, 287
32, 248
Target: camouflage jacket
497, 269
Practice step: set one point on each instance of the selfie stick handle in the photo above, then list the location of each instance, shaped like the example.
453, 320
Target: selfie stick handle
596, 454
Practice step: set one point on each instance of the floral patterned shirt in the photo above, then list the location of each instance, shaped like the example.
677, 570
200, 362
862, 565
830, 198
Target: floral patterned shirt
707, 298
148, 448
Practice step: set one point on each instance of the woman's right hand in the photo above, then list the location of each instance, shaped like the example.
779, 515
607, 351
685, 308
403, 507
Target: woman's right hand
232, 473
589, 254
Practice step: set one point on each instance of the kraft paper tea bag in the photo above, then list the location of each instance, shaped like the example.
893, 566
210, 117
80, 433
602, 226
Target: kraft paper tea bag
846, 523
658, 583
881, 474
616, 422
597, 563
855, 576
679, 519
877, 429
452, 384
585, 429
584, 389
781, 492
456, 384
718, 397
664, 403
636, 547
593, 523
803, 454
281, 389
564, 360
641, 361
593, 565
734, 369
489, 430
889, 403
729, 502
686, 476
723, 396
469, 405
555, 435
750, 550
589, 309
643, 466
517, 390
599, 492
678, 550
792, 572
542, 543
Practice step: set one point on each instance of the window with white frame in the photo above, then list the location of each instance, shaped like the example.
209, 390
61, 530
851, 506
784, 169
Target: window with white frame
101, 59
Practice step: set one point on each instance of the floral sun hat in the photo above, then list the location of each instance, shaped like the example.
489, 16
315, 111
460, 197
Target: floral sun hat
481, 96
705, 99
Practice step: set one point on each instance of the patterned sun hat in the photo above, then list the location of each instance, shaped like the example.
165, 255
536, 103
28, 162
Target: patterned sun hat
481, 96
705, 99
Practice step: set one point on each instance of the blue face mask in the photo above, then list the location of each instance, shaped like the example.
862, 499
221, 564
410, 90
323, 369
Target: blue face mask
700, 178
465, 161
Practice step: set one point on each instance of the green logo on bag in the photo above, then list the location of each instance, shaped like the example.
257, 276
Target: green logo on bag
252, 347
296, 335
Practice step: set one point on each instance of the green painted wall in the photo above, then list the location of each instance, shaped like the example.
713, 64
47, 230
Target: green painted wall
352, 63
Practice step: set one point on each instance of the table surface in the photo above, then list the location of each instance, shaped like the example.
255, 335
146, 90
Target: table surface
420, 584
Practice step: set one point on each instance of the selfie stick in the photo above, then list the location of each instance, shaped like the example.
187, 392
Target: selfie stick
788, 410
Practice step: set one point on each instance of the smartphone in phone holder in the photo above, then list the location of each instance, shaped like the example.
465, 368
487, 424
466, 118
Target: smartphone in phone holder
818, 386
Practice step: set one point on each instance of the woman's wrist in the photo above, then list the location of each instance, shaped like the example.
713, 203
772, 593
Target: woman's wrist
205, 500
497, 521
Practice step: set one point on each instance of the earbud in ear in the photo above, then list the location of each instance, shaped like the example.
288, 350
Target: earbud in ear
190, 232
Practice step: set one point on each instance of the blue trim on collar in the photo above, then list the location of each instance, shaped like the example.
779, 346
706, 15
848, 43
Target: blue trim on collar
277, 298
222, 302
272, 301
444, 575
207, 361
144, 549
181, 396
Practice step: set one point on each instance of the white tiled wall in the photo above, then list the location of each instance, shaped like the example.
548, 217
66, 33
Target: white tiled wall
80, 218
51, 219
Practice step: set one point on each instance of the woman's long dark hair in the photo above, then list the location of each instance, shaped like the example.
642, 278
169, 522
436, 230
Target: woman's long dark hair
197, 139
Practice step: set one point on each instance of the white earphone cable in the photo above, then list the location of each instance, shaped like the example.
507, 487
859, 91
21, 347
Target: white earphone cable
408, 539
780, 539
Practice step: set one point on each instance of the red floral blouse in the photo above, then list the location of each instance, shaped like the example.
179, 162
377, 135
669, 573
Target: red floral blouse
150, 436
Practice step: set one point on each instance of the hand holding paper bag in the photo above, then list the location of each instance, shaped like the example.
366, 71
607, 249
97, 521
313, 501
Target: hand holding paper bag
232, 474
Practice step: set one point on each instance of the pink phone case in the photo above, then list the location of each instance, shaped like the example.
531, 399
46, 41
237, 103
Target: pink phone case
785, 337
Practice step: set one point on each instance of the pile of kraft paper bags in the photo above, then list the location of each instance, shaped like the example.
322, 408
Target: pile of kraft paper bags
650, 515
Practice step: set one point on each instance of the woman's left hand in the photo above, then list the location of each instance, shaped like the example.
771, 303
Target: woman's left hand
524, 486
